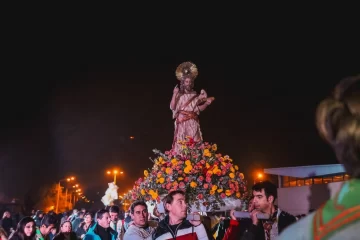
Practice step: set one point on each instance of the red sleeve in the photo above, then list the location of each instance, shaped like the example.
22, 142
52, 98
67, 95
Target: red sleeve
232, 230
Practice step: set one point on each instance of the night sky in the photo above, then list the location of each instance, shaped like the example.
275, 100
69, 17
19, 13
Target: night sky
59, 119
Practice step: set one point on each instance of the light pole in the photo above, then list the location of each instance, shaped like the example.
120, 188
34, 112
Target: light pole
115, 172
59, 189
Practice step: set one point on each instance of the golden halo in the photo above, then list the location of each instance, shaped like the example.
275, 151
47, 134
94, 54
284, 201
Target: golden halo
186, 70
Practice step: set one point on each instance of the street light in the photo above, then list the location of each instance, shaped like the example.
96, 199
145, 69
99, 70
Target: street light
115, 172
59, 188
259, 177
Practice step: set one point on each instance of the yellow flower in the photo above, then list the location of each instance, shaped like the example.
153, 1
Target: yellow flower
214, 147
159, 175
212, 192
207, 153
187, 169
187, 163
241, 175
161, 160
219, 190
168, 170
162, 180
207, 165
154, 195
214, 187
146, 173
193, 184
236, 167
238, 195
180, 178
174, 161
227, 192
232, 169
142, 192
231, 175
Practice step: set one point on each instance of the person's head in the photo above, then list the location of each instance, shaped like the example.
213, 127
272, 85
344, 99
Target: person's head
338, 122
186, 74
47, 223
103, 218
186, 85
81, 214
139, 213
65, 227
114, 212
88, 218
175, 205
26, 227
265, 194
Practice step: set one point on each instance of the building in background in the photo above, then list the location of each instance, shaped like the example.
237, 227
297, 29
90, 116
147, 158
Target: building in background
303, 189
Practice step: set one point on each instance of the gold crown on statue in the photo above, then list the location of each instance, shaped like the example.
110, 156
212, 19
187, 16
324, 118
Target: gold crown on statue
186, 70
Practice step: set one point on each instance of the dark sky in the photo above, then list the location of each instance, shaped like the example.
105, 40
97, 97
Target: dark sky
58, 119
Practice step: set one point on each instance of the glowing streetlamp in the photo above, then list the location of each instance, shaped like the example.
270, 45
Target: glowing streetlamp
115, 172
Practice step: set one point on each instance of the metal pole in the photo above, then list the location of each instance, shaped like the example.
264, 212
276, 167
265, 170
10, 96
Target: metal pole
66, 191
58, 197
114, 178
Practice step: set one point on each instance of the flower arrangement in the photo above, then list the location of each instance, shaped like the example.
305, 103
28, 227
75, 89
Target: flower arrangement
206, 176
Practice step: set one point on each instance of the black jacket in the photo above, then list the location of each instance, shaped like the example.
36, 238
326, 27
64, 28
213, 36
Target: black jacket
256, 232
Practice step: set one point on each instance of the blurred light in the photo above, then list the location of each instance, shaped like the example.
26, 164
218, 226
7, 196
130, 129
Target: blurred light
72, 178
108, 172
121, 172
260, 175
132, 137
115, 171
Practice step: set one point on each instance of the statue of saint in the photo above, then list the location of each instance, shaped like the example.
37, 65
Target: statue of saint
186, 105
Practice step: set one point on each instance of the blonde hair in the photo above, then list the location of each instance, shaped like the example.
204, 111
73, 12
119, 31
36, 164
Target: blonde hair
338, 122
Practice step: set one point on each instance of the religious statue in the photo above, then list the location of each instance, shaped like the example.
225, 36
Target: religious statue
186, 105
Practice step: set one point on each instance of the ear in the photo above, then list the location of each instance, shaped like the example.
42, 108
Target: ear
167, 206
271, 199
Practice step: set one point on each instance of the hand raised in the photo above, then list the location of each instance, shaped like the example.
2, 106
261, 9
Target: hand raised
176, 89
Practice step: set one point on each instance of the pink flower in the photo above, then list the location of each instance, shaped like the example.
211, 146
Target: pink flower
206, 186
222, 195
182, 185
208, 179
200, 196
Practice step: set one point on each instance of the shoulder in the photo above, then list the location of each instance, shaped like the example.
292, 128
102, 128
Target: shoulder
287, 216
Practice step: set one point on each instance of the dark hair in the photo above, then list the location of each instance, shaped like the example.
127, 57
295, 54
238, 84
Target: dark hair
338, 122
21, 225
48, 220
67, 221
88, 213
100, 213
114, 209
270, 189
137, 203
170, 198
